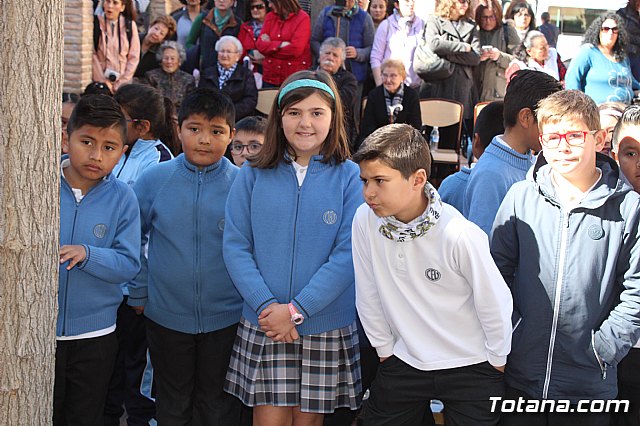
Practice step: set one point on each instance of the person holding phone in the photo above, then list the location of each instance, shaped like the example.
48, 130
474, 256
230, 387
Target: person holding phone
498, 41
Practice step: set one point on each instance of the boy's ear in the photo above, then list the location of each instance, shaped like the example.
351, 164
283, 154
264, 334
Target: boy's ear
232, 134
65, 145
600, 136
614, 155
475, 146
526, 118
419, 179
125, 148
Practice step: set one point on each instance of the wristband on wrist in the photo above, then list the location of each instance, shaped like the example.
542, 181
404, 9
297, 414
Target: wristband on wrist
296, 317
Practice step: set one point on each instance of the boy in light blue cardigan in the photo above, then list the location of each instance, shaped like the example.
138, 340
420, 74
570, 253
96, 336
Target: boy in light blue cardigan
99, 243
183, 287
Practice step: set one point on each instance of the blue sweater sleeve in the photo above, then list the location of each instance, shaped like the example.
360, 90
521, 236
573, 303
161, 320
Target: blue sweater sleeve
238, 244
146, 193
120, 262
504, 238
483, 197
576, 77
331, 280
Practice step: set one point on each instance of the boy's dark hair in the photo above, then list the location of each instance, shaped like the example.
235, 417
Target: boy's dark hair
400, 146
489, 122
97, 88
525, 90
210, 103
630, 117
98, 111
143, 102
252, 124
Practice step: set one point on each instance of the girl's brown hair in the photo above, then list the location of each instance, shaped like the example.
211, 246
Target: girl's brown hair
276, 148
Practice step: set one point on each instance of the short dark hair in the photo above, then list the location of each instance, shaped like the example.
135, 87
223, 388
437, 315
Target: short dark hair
399, 146
97, 88
252, 124
98, 111
210, 103
630, 117
489, 122
525, 90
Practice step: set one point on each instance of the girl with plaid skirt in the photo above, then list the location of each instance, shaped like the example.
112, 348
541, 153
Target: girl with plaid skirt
287, 247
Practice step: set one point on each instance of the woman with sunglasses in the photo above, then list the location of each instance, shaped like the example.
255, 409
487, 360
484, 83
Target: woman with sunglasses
601, 68
255, 13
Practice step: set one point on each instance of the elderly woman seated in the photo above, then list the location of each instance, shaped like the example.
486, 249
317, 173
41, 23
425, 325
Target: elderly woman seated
331, 60
169, 79
391, 102
231, 77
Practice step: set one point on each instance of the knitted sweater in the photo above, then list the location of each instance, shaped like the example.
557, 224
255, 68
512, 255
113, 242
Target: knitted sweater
498, 169
183, 284
452, 189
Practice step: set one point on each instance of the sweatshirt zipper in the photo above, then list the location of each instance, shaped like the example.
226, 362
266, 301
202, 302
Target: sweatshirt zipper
197, 253
295, 226
556, 304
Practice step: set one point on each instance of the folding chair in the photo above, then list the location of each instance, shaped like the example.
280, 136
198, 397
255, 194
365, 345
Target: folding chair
266, 98
477, 109
444, 113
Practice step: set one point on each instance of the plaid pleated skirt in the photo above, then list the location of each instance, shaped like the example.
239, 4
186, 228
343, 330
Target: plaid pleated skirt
318, 373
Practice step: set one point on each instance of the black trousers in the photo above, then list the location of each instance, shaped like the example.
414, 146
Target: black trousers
126, 380
401, 394
550, 419
83, 368
189, 376
629, 388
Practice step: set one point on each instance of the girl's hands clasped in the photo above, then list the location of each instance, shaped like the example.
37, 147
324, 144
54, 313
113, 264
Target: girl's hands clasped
275, 321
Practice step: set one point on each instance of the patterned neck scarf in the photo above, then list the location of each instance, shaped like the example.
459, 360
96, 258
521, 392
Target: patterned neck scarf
225, 74
256, 26
394, 102
393, 229
404, 22
220, 20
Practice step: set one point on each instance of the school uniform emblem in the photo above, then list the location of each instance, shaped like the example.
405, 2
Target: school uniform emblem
595, 232
100, 230
432, 274
330, 217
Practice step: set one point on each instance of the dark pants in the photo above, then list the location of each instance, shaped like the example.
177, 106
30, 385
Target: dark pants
189, 375
550, 419
83, 368
127, 378
629, 388
369, 362
401, 395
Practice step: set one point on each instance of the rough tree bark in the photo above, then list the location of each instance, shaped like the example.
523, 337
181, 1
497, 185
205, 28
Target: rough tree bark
30, 87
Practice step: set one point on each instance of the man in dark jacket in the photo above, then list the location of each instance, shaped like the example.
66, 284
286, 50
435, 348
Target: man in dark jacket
632, 23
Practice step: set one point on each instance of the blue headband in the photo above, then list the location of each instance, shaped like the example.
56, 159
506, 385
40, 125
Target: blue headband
305, 82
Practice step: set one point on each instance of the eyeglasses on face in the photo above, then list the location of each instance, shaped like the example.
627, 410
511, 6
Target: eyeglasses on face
257, 6
488, 18
252, 148
573, 138
227, 52
614, 30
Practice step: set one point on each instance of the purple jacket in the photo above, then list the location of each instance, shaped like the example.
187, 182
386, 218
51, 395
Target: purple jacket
393, 42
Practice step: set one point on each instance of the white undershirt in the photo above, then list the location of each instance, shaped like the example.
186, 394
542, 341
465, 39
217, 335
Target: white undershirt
301, 172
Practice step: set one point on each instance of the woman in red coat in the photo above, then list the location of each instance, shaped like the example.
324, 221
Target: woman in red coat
285, 42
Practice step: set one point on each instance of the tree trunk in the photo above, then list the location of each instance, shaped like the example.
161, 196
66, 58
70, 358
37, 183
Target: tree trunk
30, 88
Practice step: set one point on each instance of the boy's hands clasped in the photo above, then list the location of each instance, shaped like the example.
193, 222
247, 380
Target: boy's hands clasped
275, 321
73, 253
